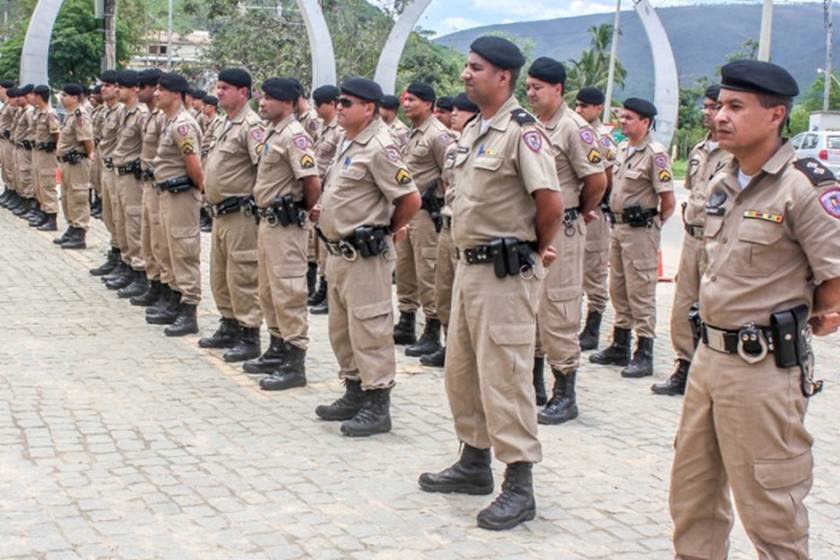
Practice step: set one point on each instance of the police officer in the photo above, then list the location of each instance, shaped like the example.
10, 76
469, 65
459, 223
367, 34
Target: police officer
6, 116
705, 159
76, 156
14, 100
111, 113
286, 190
463, 111
589, 104
416, 253
641, 201
128, 186
326, 104
507, 210
368, 196
180, 181
96, 109
214, 124
23, 153
46, 128
307, 116
443, 110
198, 106
580, 170
772, 235
230, 171
388, 110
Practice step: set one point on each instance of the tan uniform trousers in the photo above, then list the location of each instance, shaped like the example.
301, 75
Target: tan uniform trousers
233, 268
362, 318
182, 243
96, 174
75, 197
23, 163
416, 255
151, 233
129, 208
687, 293
489, 361
282, 282
558, 320
633, 277
8, 160
447, 260
110, 208
743, 426
595, 261
44, 165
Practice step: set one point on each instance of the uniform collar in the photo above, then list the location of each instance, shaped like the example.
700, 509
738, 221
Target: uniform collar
279, 127
641, 147
332, 124
552, 123
240, 117
424, 126
780, 159
501, 119
368, 133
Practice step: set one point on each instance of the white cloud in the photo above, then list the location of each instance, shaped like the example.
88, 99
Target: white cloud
456, 23
541, 9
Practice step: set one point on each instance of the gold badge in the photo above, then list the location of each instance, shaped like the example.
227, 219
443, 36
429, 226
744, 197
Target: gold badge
594, 156
307, 162
403, 177
664, 176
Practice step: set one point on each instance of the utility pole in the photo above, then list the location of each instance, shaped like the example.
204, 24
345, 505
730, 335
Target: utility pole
828, 54
613, 56
109, 23
766, 31
169, 38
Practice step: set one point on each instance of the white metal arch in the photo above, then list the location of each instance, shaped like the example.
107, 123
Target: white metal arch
389, 60
320, 43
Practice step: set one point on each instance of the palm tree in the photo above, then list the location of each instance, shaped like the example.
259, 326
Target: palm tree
592, 67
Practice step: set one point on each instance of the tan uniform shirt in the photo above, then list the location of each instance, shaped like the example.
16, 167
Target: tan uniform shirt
211, 132
7, 115
424, 152
399, 131
130, 134
179, 137
311, 122
704, 162
498, 169
77, 128
576, 151
97, 115
151, 137
327, 145
363, 183
640, 175
288, 156
770, 244
46, 124
447, 178
111, 118
23, 130
605, 143
231, 165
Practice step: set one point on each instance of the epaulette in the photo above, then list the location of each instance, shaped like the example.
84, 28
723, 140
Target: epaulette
816, 172
522, 116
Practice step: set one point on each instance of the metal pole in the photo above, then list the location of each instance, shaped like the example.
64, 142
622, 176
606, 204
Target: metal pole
169, 37
766, 31
613, 56
109, 60
828, 53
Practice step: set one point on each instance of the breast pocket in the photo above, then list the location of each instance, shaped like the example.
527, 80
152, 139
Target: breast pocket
757, 253
488, 163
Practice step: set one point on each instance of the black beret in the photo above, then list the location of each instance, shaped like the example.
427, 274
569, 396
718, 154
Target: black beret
299, 85
591, 96
6, 84
281, 89
149, 77
11, 92
237, 77
173, 82
444, 103
499, 52
109, 77
713, 92
199, 93
362, 88
463, 103
642, 107
325, 94
97, 89
127, 78
422, 91
41, 89
23, 90
391, 102
72, 89
548, 70
211, 100
756, 76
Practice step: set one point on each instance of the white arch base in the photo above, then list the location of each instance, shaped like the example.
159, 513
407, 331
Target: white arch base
389, 60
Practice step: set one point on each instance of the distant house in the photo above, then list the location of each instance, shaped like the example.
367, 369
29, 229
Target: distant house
186, 49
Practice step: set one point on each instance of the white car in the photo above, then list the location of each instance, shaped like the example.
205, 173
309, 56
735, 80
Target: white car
822, 145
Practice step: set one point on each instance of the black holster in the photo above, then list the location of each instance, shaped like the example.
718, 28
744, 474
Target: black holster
511, 257
790, 331
433, 204
636, 216
370, 241
696, 323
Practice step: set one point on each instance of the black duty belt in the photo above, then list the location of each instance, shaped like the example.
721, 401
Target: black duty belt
45, 146
230, 205
751, 342
365, 242
636, 216
24, 145
694, 231
72, 157
510, 256
175, 185
129, 168
148, 175
108, 162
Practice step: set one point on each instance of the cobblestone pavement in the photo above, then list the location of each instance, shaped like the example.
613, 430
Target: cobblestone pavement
120, 443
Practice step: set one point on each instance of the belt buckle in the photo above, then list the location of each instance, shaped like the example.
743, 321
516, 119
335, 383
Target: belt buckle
715, 339
751, 333
347, 251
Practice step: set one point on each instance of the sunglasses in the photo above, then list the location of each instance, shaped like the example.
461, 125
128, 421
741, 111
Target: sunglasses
346, 102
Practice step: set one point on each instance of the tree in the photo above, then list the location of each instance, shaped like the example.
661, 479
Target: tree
592, 67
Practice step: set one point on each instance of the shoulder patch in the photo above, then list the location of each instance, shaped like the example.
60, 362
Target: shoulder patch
661, 161
183, 129
301, 141
257, 134
587, 136
392, 153
815, 171
403, 177
522, 116
533, 139
830, 201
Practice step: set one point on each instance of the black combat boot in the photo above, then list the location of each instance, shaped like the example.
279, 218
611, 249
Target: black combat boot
563, 404
404, 331
137, 287
12, 201
96, 206
123, 280
435, 359
346, 406
76, 239
19, 203
23, 208
5, 196
270, 361
642, 364
162, 302
117, 271
617, 353
292, 372
148, 297
34, 213
225, 336
63, 237
471, 474
674, 385
373, 418
247, 346
514, 504
320, 294
539, 380
49, 223
322, 308
37, 217
591, 331
166, 314
429, 341
185, 323
311, 279
112, 259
